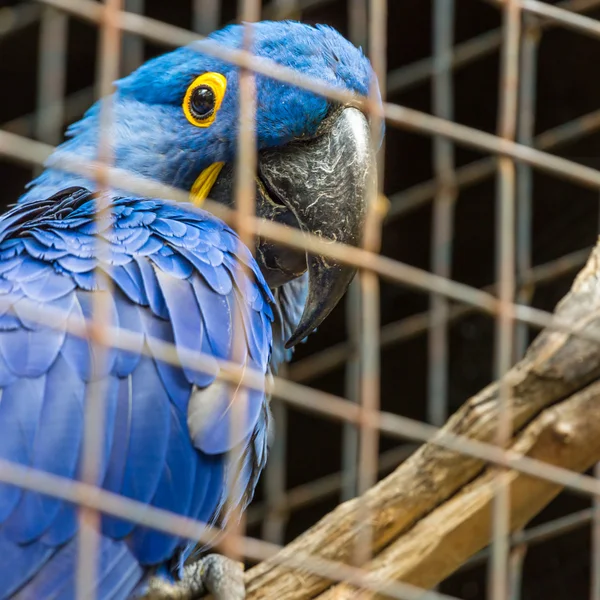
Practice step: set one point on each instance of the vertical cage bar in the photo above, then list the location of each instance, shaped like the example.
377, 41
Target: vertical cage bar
245, 205
443, 211
133, 45
595, 524
524, 228
275, 480
358, 22
275, 476
93, 434
286, 9
525, 132
595, 530
369, 354
358, 28
206, 15
515, 571
505, 269
351, 385
51, 81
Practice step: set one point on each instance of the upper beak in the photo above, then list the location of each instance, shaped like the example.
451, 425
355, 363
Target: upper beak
326, 183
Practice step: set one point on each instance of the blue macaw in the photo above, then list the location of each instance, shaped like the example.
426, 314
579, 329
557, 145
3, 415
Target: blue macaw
168, 271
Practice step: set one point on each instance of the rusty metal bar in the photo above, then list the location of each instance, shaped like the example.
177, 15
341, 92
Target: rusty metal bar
477, 171
402, 202
275, 472
314, 491
421, 70
245, 209
595, 545
395, 115
538, 534
525, 132
358, 28
509, 307
559, 15
443, 212
368, 350
524, 230
206, 15
312, 400
15, 18
94, 409
410, 327
30, 152
413, 197
288, 9
132, 45
285, 9
52, 60
595, 528
351, 391
274, 478
505, 274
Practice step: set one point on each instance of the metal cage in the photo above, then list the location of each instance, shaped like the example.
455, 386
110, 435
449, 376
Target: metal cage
511, 155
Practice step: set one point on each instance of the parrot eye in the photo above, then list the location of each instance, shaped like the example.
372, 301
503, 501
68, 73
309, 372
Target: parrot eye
202, 102
203, 99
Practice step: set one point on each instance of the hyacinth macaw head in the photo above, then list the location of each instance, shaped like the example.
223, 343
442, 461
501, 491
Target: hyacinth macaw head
176, 120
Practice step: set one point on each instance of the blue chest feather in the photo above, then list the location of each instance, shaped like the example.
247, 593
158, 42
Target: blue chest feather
175, 278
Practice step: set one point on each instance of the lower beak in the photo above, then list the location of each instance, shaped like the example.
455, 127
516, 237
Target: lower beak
325, 183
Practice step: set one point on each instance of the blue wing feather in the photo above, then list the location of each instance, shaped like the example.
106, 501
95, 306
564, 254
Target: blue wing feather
172, 378
148, 440
186, 322
20, 411
113, 479
219, 331
174, 492
25, 561
55, 449
130, 321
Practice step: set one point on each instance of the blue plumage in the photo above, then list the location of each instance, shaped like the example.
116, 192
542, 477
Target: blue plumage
149, 454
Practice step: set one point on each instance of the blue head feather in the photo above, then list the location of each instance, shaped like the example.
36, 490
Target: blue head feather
151, 136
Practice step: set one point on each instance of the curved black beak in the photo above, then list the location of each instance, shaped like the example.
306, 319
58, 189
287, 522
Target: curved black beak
325, 183
320, 186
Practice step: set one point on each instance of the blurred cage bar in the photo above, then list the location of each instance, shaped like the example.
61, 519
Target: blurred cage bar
514, 152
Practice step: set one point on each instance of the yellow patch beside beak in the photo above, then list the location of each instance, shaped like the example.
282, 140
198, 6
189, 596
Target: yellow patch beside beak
202, 186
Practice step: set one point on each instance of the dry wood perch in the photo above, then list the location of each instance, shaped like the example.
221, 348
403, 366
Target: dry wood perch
565, 435
556, 366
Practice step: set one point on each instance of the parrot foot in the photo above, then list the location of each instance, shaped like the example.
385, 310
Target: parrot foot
218, 575
213, 574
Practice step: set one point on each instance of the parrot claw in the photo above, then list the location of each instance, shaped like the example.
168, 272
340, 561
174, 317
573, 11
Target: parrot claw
214, 574
218, 575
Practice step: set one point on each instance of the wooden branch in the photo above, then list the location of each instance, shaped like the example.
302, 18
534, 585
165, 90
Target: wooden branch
556, 366
565, 436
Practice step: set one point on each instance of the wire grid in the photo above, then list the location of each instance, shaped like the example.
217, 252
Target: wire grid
123, 23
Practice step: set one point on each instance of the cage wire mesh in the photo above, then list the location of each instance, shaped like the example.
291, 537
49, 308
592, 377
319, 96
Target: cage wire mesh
491, 180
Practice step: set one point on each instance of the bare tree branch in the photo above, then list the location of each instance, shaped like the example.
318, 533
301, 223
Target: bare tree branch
565, 435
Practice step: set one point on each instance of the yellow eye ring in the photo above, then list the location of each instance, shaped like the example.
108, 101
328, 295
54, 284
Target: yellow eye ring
203, 99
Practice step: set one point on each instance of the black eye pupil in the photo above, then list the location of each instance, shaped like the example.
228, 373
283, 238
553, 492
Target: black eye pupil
202, 102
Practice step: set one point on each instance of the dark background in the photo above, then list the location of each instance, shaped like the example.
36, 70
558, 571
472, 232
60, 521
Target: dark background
565, 219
